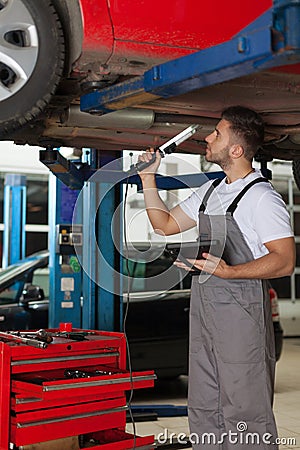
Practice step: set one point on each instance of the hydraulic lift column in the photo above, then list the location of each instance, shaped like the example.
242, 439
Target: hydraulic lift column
101, 307
65, 271
14, 241
102, 304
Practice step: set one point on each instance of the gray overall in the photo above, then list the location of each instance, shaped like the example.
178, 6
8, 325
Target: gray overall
232, 353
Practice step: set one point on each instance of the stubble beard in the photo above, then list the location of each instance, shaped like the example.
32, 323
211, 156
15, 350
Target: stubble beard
222, 159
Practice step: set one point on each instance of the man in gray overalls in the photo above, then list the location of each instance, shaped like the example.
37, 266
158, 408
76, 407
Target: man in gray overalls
232, 361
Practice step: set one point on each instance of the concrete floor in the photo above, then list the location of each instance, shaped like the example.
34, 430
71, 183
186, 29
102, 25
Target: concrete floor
286, 406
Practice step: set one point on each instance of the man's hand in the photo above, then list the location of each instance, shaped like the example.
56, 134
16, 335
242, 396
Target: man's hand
210, 264
213, 265
146, 157
279, 262
163, 221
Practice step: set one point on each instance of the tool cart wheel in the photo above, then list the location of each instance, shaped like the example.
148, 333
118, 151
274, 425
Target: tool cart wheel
32, 55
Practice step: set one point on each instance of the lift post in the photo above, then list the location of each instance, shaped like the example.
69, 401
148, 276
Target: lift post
65, 271
102, 230
89, 255
14, 240
88, 304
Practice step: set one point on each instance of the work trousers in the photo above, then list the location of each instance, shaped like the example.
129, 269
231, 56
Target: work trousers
232, 364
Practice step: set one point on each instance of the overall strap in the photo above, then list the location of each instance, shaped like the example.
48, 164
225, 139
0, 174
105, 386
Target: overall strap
231, 208
203, 205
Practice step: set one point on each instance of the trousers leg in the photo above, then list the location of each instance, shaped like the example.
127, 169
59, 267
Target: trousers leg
244, 346
232, 366
205, 416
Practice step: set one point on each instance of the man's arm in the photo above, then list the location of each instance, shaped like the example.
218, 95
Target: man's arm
279, 262
163, 220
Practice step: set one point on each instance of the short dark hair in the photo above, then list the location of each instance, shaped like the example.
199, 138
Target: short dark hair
246, 125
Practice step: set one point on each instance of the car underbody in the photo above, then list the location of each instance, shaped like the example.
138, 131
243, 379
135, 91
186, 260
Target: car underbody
144, 124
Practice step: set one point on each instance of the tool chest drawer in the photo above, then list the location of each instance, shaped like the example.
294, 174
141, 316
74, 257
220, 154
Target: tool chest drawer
27, 402
47, 424
64, 353
116, 439
54, 385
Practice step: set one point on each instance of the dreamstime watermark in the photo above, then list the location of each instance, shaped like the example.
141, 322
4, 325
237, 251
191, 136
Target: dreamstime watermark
238, 437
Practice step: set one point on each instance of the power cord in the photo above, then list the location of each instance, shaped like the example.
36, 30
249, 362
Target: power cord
129, 276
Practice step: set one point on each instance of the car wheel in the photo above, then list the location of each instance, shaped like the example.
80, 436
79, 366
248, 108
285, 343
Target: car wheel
296, 172
32, 55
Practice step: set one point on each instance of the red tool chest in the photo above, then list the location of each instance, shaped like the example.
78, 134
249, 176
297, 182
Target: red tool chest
71, 388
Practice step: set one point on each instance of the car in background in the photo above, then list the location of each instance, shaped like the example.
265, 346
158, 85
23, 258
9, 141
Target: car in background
278, 331
54, 51
17, 312
157, 324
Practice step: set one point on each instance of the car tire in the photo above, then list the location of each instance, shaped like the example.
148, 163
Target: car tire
296, 172
32, 56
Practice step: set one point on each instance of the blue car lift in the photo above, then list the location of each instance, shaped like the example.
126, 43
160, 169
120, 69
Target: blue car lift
272, 40
65, 274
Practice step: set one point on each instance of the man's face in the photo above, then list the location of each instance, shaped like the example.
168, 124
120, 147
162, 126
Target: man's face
218, 145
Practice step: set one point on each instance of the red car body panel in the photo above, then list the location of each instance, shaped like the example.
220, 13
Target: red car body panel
98, 30
161, 30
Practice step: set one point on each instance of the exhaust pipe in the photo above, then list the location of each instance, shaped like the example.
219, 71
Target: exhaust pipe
129, 118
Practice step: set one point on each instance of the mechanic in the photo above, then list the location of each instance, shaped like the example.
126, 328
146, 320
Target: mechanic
232, 352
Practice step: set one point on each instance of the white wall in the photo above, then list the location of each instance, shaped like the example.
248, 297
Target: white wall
20, 159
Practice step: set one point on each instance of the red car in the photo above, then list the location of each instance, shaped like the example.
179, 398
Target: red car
53, 51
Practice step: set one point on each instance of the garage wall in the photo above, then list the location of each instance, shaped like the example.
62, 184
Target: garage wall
20, 159
288, 288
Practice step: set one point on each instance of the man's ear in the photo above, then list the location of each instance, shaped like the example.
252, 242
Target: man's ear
236, 151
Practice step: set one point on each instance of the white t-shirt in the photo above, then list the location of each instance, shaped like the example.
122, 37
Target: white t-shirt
261, 213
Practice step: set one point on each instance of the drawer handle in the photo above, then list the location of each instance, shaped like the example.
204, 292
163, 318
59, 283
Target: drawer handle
61, 387
63, 358
73, 417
